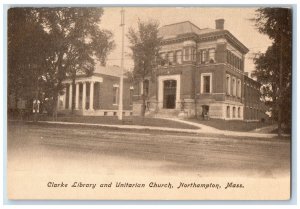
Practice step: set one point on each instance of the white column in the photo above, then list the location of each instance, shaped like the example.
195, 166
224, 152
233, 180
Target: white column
91, 95
83, 95
64, 99
70, 95
77, 97
58, 97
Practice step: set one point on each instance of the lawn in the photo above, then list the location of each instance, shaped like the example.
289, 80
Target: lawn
128, 120
231, 125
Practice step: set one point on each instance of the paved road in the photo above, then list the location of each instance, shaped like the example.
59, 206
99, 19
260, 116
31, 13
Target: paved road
43, 155
167, 152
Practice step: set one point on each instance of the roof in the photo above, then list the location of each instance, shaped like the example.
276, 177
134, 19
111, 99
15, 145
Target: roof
108, 70
105, 70
173, 31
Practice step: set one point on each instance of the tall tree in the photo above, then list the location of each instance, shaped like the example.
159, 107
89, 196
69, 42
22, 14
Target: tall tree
274, 67
27, 53
77, 40
145, 46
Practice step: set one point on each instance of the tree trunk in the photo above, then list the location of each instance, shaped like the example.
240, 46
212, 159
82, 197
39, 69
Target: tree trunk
143, 110
280, 86
54, 108
15, 108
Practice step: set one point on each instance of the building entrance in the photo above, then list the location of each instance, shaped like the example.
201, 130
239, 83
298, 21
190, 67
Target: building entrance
169, 101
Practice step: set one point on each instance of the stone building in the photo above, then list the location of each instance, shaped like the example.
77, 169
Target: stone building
100, 89
201, 73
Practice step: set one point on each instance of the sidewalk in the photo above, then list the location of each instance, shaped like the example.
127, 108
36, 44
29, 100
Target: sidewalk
202, 129
212, 130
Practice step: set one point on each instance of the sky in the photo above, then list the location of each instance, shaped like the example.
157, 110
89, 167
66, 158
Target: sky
236, 21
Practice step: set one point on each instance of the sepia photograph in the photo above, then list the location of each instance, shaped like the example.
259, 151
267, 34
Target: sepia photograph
149, 103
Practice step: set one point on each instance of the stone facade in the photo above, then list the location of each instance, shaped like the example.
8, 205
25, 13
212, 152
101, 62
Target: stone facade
201, 74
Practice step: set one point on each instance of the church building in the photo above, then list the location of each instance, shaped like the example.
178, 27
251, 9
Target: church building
202, 73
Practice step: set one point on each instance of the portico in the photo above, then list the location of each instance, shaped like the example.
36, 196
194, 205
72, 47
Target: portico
82, 94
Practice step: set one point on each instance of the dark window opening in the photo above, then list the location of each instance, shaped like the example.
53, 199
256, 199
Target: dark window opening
206, 84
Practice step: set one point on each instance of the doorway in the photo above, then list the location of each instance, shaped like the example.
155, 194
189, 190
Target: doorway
169, 99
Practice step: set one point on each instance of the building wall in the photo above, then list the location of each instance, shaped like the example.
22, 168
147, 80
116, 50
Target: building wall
215, 56
106, 93
254, 108
103, 96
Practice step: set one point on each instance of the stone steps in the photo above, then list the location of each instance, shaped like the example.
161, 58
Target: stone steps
164, 114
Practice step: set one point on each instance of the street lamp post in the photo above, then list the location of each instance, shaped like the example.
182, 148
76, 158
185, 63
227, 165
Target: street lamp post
120, 116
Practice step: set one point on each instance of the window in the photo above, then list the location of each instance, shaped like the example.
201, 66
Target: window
203, 56
228, 84
187, 54
178, 57
233, 86
206, 83
194, 54
116, 94
211, 55
239, 64
235, 61
171, 58
228, 112
227, 56
239, 112
239, 87
162, 59
233, 112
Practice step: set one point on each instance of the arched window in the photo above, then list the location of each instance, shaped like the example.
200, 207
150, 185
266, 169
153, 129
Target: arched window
233, 112
228, 112
233, 86
228, 84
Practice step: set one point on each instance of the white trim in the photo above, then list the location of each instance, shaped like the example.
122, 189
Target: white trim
116, 85
84, 79
210, 83
70, 95
161, 79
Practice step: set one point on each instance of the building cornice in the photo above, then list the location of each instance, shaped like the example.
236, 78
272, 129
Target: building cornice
208, 37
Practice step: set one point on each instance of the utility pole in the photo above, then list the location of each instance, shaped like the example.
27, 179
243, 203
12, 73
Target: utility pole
120, 116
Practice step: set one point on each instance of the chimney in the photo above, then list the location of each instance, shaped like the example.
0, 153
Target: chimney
220, 24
